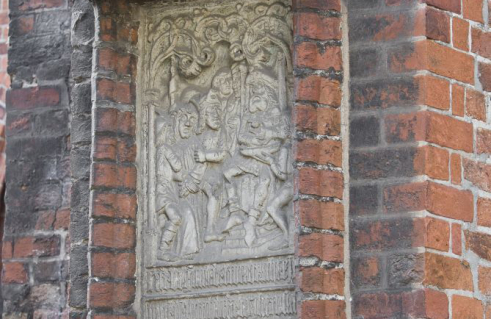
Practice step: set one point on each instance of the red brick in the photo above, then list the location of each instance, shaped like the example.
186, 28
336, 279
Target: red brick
437, 25
314, 56
479, 243
42, 247
485, 76
405, 197
450, 5
485, 280
483, 141
484, 212
478, 173
108, 29
434, 57
436, 304
320, 182
318, 4
119, 92
113, 265
105, 148
450, 63
450, 132
7, 250
115, 121
320, 152
406, 127
62, 220
14, 273
447, 273
475, 105
450, 202
456, 168
457, 239
436, 162
115, 205
326, 247
437, 234
435, 92
376, 305
458, 95
366, 272
110, 60
322, 309
460, 33
40, 4
320, 280
45, 220
28, 98
387, 234
318, 27
322, 215
111, 295
323, 121
120, 236
318, 89
113, 175
481, 42
466, 308
473, 10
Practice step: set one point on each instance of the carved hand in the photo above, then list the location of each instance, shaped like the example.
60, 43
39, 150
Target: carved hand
199, 156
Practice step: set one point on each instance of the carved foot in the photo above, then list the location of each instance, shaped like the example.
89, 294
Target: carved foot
211, 238
250, 236
233, 221
167, 256
282, 245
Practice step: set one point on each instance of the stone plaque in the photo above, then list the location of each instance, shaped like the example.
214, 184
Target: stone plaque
216, 190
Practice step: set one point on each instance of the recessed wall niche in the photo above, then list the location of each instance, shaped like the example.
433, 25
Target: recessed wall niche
215, 168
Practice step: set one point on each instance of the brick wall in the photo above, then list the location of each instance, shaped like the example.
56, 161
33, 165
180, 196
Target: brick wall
36, 240
419, 146
319, 114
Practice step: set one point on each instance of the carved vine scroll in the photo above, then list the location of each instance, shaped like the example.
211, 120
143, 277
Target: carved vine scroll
216, 182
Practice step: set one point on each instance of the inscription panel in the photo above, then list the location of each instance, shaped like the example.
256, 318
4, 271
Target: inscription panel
216, 190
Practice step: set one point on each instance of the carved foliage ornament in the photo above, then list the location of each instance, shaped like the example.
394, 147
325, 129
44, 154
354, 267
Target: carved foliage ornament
216, 141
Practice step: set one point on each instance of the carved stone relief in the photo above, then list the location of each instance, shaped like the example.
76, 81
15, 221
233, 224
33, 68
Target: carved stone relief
216, 175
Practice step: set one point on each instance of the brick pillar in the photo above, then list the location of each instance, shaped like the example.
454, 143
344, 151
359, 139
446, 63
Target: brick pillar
319, 156
419, 146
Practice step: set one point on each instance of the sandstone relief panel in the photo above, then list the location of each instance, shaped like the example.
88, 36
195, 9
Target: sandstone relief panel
216, 185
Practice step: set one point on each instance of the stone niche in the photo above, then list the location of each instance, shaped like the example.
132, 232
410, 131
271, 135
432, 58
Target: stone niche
216, 178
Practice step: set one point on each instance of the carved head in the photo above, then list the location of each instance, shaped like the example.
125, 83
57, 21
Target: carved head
186, 120
213, 116
263, 92
222, 82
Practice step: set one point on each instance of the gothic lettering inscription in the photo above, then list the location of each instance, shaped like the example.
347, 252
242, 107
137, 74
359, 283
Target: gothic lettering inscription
215, 152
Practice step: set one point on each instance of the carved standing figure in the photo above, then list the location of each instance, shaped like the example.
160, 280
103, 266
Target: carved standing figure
175, 183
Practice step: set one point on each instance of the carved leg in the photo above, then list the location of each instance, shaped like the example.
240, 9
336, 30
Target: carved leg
169, 233
229, 186
212, 210
284, 196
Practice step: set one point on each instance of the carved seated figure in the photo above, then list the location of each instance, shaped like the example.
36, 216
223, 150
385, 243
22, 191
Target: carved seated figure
261, 136
174, 183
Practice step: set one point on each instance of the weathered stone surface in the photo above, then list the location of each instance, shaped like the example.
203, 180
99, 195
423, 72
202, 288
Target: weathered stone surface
216, 82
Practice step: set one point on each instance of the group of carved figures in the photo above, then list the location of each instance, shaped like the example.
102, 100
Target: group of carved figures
223, 154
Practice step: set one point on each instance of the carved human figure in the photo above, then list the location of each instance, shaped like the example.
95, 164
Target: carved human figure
214, 147
175, 183
261, 136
